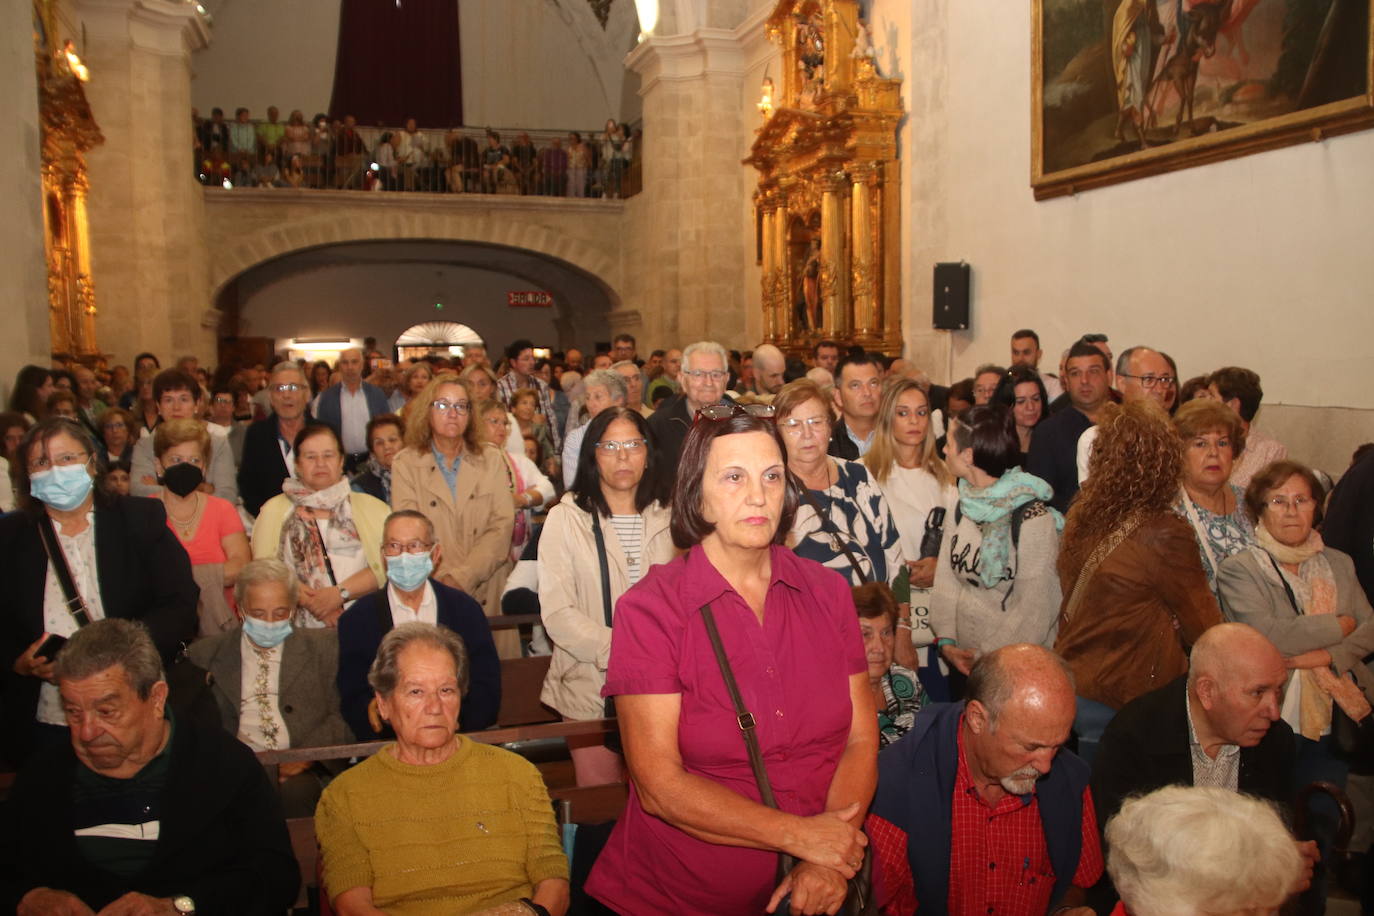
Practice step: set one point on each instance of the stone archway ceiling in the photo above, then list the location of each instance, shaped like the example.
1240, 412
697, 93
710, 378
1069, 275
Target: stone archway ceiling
606, 32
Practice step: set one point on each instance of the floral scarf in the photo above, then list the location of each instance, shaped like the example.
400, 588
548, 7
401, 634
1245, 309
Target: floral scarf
1313, 589
992, 506
303, 543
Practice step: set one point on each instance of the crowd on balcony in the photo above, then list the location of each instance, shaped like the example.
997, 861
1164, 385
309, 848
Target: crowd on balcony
341, 154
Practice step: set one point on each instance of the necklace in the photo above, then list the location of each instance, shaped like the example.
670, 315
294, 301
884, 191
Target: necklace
185, 526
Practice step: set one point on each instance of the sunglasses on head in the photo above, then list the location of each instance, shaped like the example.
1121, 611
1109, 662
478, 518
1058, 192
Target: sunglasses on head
726, 411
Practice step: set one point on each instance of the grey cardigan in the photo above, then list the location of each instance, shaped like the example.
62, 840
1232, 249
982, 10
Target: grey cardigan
1251, 593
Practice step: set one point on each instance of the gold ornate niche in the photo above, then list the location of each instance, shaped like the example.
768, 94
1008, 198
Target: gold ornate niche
69, 131
829, 188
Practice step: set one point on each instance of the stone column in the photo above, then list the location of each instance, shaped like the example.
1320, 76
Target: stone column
23, 272
767, 207
148, 256
685, 265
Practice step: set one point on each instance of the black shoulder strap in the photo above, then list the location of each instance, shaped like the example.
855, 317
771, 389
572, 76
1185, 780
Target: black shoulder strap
1288, 589
829, 527
605, 567
743, 717
76, 605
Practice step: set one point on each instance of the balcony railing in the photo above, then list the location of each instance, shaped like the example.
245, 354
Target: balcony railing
462, 160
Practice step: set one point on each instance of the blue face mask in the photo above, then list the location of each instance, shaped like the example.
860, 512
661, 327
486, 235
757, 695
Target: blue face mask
408, 571
267, 635
63, 486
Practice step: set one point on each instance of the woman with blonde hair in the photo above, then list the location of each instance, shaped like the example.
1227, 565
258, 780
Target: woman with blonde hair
905, 463
208, 527
1135, 594
448, 472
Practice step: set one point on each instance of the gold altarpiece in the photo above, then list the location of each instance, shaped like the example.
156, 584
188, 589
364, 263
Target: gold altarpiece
828, 200
69, 131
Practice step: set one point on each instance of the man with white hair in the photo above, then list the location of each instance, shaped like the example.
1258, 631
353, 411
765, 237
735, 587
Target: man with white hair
769, 368
1218, 725
978, 808
705, 369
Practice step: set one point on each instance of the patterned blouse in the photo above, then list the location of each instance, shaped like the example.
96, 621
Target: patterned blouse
903, 697
858, 516
1219, 536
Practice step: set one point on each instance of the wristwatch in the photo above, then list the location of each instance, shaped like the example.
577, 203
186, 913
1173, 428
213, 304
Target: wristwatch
184, 904
344, 594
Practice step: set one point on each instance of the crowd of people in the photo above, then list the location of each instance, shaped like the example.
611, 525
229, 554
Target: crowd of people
1037, 642
341, 154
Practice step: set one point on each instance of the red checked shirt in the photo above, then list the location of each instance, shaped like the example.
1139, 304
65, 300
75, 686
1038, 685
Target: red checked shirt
999, 863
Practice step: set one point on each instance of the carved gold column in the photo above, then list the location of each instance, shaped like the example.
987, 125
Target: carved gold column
864, 215
767, 206
834, 271
782, 280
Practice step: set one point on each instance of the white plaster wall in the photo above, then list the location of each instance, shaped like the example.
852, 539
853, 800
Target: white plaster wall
22, 272
1260, 261
383, 300
267, 52
526, 63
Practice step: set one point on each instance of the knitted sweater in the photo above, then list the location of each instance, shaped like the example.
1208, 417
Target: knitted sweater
457, 837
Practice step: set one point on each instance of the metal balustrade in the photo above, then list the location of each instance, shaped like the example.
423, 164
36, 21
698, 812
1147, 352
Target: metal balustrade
254, 153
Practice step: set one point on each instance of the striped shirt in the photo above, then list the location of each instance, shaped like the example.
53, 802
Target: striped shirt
629, 531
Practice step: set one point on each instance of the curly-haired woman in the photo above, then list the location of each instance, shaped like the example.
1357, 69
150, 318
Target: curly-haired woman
1135, 594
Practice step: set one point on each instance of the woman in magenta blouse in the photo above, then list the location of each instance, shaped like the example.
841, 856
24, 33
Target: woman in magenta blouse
695, 839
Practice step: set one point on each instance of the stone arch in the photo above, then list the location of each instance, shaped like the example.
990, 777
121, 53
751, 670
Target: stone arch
232, 257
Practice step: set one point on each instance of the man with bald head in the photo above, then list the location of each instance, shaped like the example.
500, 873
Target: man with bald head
769, 367
1218, 725
978, 808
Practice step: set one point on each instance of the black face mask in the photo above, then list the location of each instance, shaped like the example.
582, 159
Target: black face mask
182, 479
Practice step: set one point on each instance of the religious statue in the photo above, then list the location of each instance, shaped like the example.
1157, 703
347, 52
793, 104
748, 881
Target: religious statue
863, 41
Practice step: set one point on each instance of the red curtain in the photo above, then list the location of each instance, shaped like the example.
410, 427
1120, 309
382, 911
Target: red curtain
398, 59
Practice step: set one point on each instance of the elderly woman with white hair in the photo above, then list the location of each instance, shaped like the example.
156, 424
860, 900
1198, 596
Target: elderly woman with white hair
436, 822
1184, 851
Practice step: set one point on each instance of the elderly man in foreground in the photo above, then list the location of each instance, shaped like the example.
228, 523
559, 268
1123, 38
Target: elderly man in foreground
437, 823
142, 814
978, 809
1218, 725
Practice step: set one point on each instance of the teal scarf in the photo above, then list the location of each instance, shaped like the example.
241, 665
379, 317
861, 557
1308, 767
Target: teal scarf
991, 507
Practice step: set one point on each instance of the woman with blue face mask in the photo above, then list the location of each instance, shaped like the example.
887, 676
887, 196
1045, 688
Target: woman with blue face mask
117, 554
273, 684
411, 554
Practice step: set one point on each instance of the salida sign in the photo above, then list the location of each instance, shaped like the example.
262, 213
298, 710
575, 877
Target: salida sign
530, 299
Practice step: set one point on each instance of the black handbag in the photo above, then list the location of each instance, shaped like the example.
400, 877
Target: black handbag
613, 741
858, 900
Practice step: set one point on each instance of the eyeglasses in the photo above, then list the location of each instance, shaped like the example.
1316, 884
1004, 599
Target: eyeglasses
42, 463
696, 375
726, 411
194, 459
1281, 503
458, 407
287, 388
223, 399
1150, 381
793, 426
628, 446
395, 548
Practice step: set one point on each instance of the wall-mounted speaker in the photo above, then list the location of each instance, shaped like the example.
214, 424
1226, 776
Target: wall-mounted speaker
951, 297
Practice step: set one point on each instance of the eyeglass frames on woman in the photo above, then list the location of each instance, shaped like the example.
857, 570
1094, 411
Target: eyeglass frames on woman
628, 446
444, 406
726, 411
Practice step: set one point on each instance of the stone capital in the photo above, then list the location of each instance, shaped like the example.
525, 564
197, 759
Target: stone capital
173, 28
681, 58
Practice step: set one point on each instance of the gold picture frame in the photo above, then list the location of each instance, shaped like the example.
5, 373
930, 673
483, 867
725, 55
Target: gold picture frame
1126, 89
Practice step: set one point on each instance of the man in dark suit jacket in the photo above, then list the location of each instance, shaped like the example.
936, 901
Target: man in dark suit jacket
143, 574
305, 670
350, 419
1218, 725
705, 366
371, 617
268, 456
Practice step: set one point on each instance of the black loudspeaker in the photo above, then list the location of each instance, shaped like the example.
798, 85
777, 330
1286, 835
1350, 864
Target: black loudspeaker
951, 297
